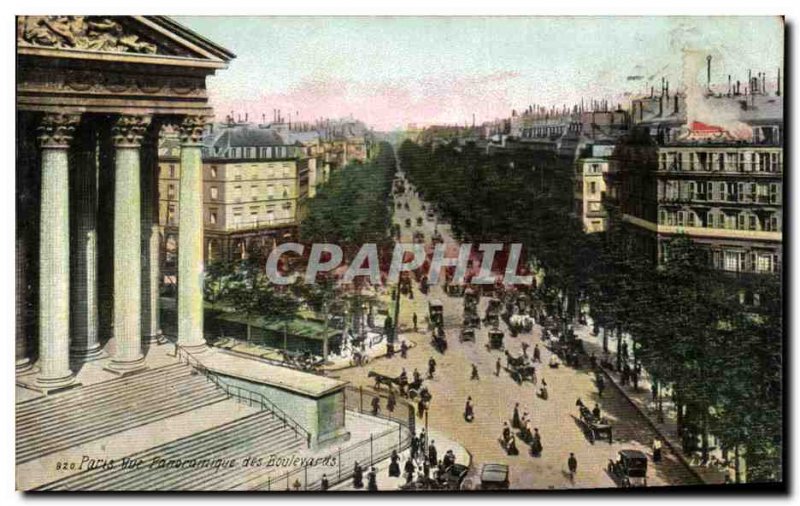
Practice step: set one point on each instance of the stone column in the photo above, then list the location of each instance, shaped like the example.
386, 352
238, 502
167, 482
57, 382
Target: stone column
151, 268
55, 134
85, 343
127, 134
190, 250
23, 363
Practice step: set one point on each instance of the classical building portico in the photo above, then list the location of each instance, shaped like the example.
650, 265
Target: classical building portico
92, 96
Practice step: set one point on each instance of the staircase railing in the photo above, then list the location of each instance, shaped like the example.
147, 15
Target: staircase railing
242, 394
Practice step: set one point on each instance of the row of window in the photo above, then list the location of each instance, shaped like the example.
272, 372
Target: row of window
766, 222
254, 152
284, 170
720, 191
271, 214
741, 261
737, 260
730, 161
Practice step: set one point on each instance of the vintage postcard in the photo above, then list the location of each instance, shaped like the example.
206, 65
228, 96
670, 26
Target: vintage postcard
341, 254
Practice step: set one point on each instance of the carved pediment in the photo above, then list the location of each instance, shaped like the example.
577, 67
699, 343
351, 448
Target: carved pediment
94, 33
114, 34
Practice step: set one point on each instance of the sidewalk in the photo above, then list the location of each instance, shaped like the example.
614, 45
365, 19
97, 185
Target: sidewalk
641, 399
442, 443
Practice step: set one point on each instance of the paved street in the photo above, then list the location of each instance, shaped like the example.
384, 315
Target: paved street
494, 398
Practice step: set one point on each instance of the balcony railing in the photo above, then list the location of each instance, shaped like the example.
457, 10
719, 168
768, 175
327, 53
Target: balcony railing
252, 225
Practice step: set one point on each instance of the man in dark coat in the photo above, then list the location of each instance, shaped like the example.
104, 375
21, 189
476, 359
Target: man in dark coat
515, 421
394, 466
358, 476
572, 464
414, 446
372, 480
409, 469
431, 367
469, 410
433, 456
376, 406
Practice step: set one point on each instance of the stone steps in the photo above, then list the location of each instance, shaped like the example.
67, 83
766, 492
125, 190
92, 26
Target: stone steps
79, 394
128, 403
256, 435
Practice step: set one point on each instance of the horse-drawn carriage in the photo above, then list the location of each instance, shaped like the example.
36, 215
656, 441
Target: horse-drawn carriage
518, 323
520, 368
493, 312
411, 390
495, 339
594, 427
467, 334
454, 290
436, 312
471, 299
471, 318
525, 372
630, 468
302, 360
439, 340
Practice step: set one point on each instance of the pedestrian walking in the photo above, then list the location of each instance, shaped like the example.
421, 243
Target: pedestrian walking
414, 447
515, 419
358, 476
394, 466
469, 410
414, 320
656, 450
431, 367
372, 480
497, 367
409, 469
391, 402
601, 385
537, 355
474, 375
433, 455
572, 464
324, 484
403, 350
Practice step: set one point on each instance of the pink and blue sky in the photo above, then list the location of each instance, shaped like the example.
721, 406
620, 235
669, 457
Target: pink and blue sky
394, 71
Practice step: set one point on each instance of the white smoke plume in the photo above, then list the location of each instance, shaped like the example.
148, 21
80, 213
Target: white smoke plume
722, 112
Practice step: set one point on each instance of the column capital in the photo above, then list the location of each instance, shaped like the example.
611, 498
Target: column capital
191, 129
57, 130
128, 131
